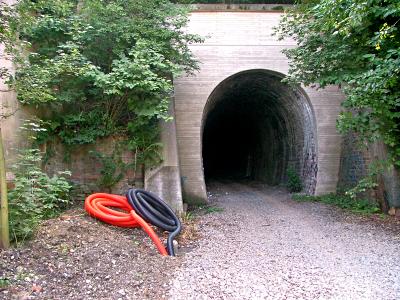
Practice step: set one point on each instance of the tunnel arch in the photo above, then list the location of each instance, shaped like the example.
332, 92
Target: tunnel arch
256, 127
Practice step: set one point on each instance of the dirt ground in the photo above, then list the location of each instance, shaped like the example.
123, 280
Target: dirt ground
77, 257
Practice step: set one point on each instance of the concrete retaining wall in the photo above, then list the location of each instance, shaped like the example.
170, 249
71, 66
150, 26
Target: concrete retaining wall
236, 42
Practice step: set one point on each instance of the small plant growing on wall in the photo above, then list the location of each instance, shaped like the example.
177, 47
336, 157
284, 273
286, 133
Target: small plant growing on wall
112, 169
294, 183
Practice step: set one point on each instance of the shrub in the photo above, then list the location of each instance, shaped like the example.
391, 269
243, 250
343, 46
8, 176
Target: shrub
36, 196
294, 182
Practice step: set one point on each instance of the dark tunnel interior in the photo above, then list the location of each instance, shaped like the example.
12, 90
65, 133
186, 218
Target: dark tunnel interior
255, 127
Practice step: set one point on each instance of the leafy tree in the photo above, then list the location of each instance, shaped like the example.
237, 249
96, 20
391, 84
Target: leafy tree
354, 44
95, 68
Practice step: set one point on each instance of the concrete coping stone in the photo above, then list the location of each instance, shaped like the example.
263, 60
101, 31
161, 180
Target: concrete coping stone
278, 8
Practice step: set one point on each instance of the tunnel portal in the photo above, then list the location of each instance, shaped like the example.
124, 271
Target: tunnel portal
256, 127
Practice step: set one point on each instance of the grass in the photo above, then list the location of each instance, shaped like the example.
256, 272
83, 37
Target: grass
197, 210
187, 217
361, 206
205, 209
213, 209
190, 230
4, 282
197, 206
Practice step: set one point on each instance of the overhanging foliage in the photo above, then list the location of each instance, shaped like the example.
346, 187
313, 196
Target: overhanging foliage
96, 68
354, 44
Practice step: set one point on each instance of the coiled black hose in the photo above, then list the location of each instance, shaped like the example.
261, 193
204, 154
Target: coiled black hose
155, 211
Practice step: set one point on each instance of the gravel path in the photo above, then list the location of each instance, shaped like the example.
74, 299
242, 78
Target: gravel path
265, 246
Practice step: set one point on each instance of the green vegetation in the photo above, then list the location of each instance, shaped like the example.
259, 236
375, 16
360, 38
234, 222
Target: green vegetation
345, 202
294, 184
213, 209
106, 65
206, 209
4, 282
198, 205
36, 196
187, 217
237, 1
112, 169
279, 7
356, 45
91, 69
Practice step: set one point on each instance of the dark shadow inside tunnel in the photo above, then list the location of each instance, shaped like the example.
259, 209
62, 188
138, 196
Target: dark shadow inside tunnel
255, 127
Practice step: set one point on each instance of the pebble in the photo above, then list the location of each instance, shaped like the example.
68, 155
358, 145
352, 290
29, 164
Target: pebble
300, 251
122, 292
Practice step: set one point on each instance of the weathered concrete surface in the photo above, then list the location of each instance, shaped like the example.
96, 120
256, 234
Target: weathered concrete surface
236, 42
165, 180
11, 113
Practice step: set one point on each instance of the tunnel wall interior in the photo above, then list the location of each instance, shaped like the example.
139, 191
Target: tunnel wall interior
256, 127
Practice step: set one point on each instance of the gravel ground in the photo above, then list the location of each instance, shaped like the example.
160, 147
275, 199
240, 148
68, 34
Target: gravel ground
261, 246
266, 246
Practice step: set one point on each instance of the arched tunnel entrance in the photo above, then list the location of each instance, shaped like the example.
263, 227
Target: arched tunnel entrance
256, 127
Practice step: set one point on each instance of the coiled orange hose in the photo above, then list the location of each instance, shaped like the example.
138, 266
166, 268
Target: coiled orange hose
98, 206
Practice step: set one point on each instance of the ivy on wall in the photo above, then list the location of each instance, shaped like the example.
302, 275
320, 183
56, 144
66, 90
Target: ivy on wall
96, 68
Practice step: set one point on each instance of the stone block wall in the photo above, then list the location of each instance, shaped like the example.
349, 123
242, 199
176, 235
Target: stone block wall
354, 166
85, 168
353, 163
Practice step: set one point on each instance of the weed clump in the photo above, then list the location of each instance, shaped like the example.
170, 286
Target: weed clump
294, 183
35, 196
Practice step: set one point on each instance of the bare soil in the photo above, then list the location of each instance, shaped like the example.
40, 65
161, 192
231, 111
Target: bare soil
77, 257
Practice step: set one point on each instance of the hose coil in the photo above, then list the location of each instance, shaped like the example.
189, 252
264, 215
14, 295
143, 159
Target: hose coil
155, 211
138, 208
